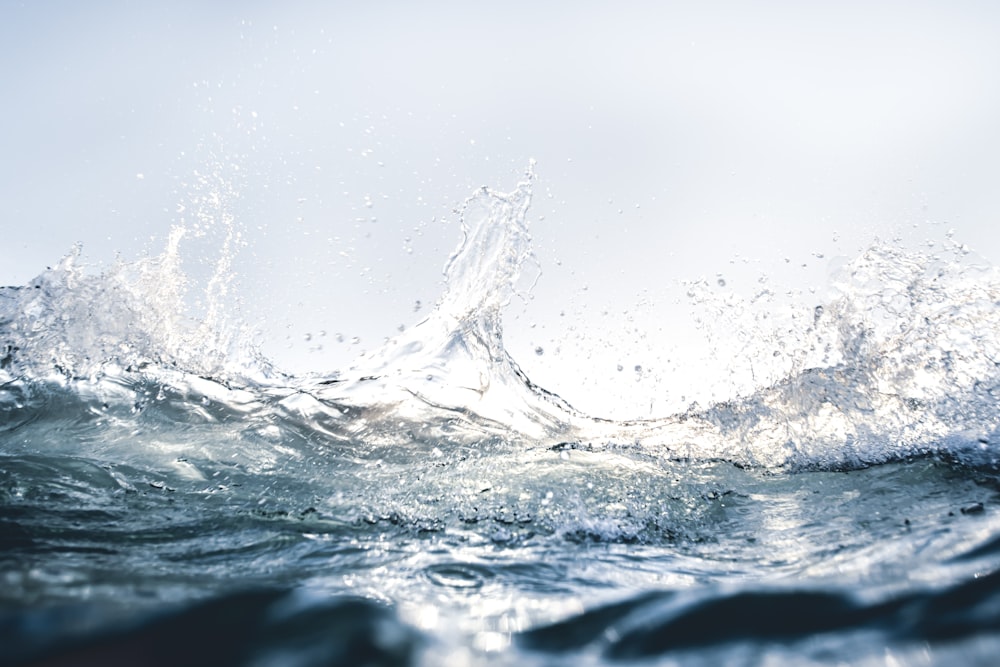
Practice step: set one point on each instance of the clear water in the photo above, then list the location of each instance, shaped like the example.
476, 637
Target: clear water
168, 497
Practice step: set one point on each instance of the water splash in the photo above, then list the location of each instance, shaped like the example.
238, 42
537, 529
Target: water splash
149, 455
173, 311
455, 360
900, 359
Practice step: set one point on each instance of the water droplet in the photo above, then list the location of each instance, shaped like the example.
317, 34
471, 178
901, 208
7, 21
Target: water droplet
539, 350
721, 281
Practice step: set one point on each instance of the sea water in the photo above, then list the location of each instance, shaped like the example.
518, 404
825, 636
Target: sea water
168, 497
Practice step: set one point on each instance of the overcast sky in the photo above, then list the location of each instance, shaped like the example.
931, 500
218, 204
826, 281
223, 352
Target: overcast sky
673, 141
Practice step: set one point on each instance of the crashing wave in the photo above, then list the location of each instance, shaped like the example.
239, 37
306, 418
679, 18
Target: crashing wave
900, 362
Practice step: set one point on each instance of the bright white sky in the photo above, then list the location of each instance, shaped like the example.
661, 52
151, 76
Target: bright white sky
673, 141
